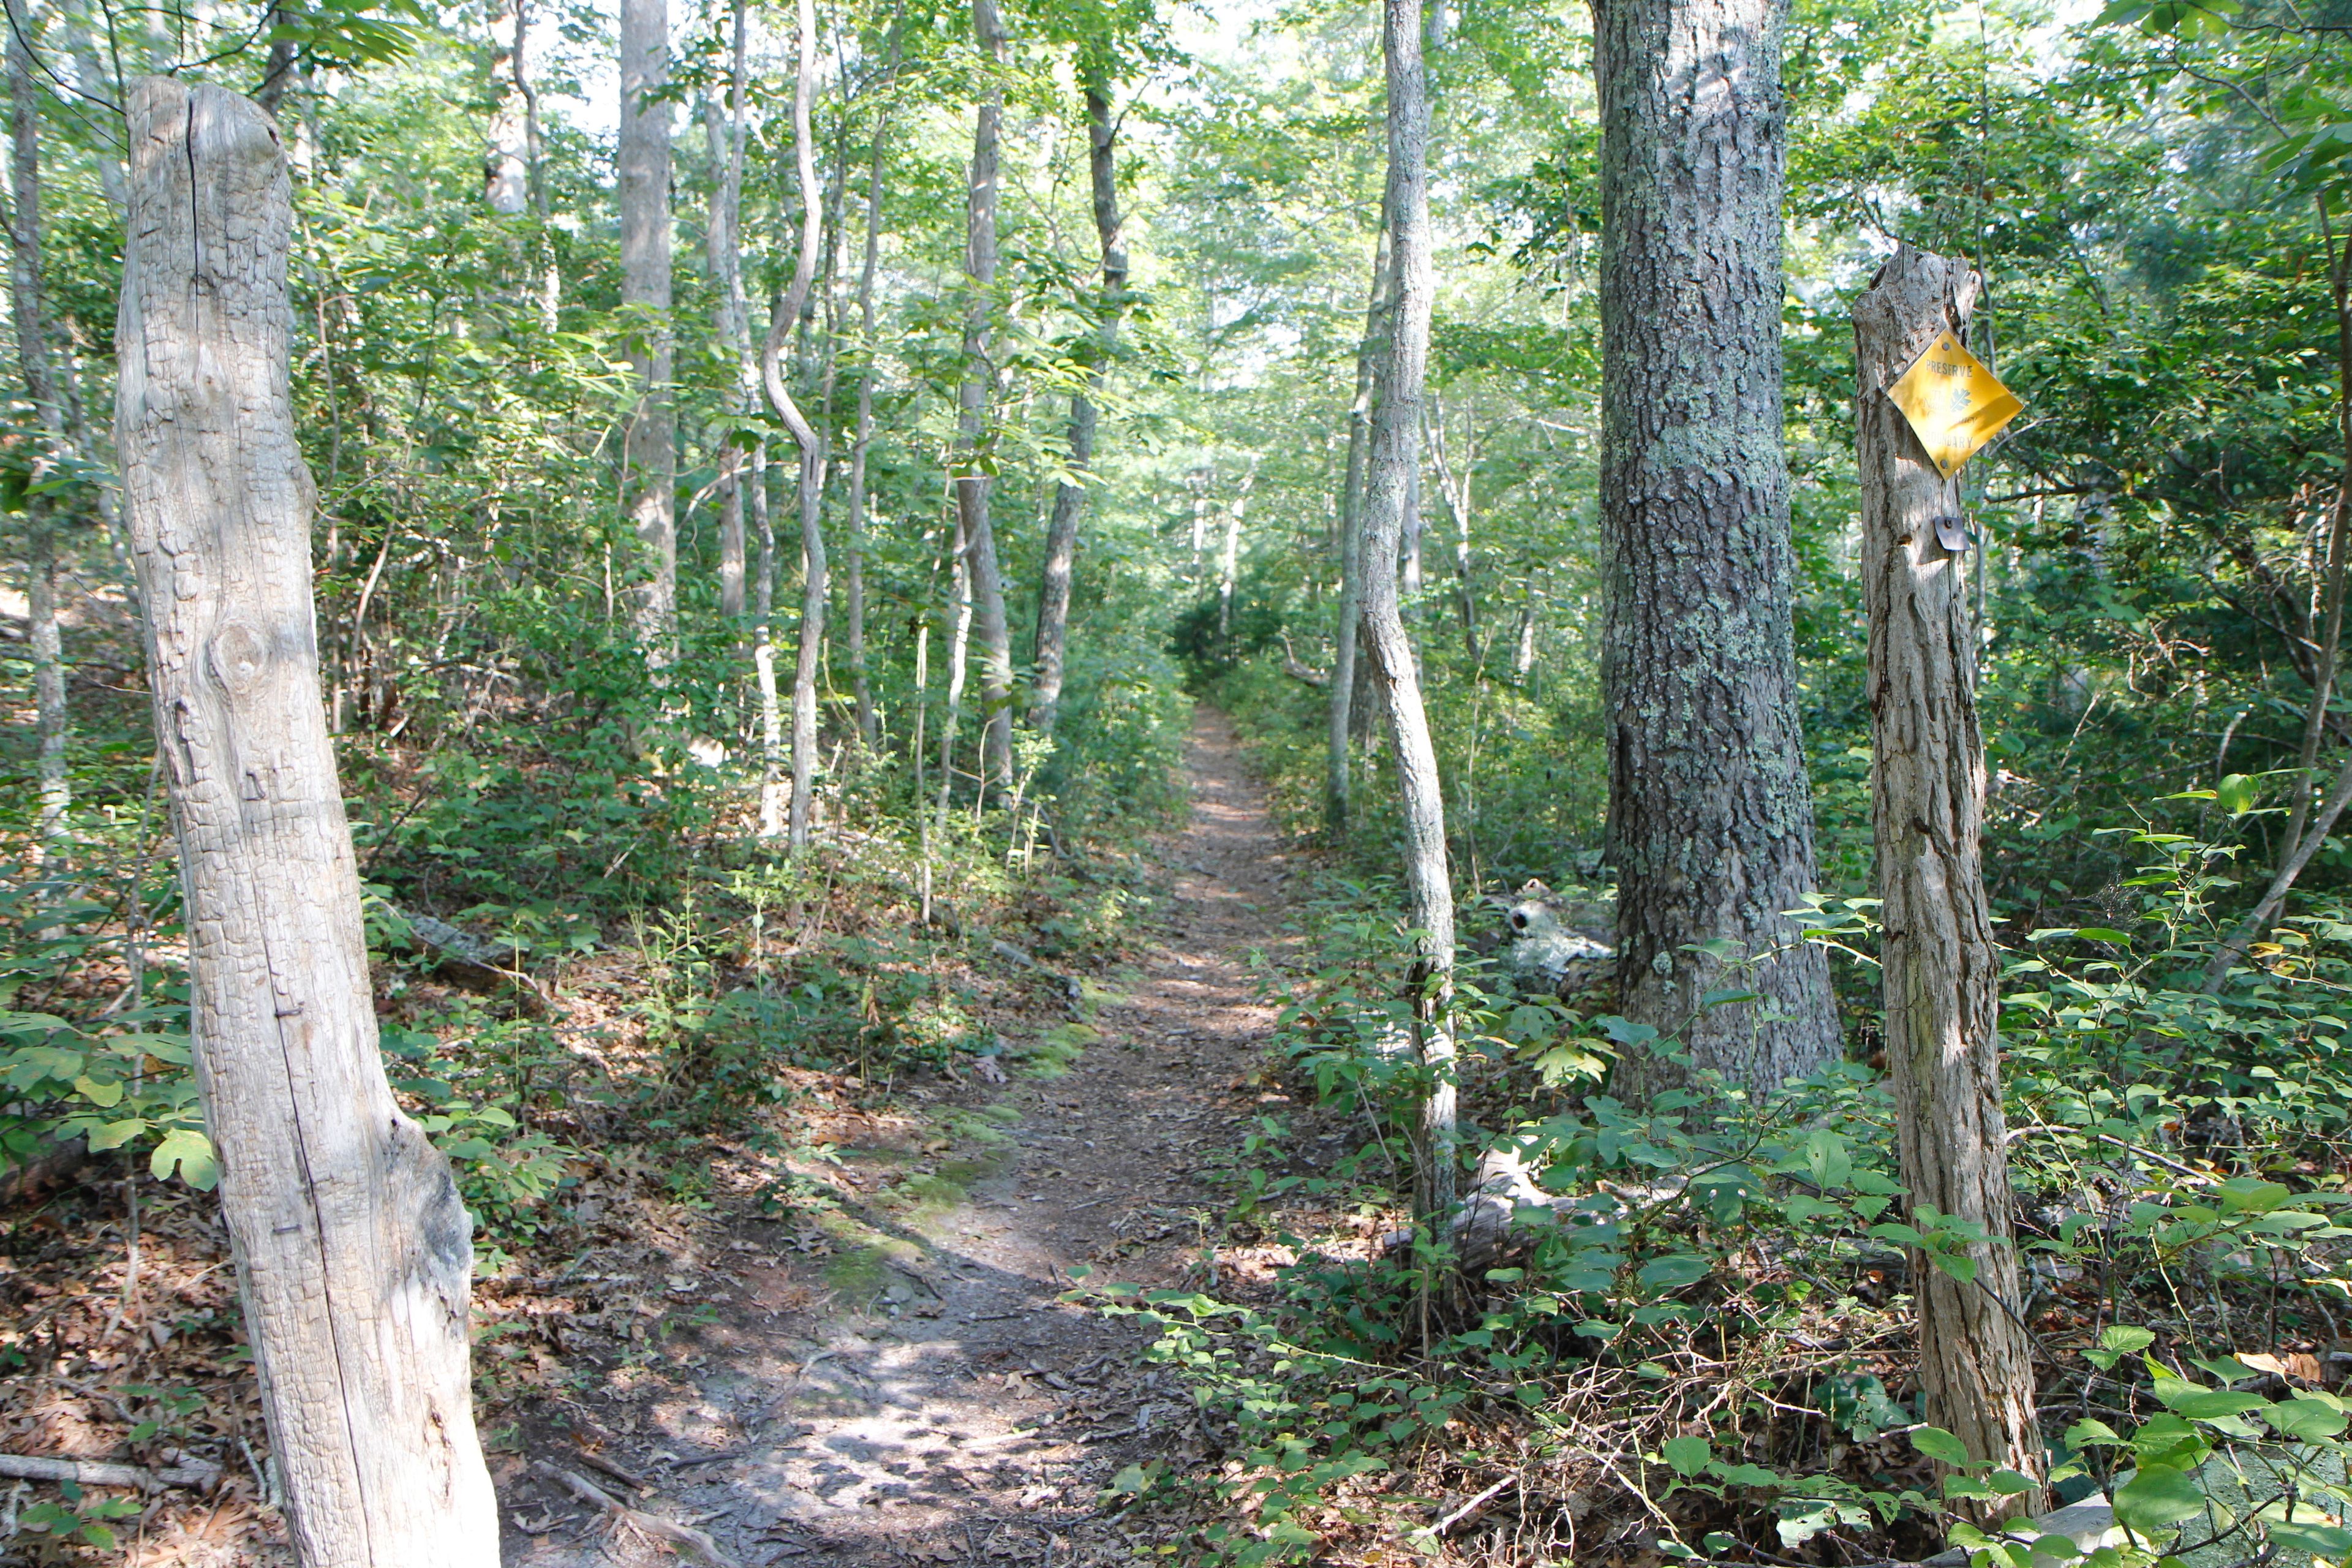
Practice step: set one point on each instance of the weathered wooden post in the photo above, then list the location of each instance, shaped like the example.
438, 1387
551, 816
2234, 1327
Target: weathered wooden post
353, 1252
1941, 968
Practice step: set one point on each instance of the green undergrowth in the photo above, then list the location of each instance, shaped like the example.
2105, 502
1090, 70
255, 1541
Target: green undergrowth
1694, 1337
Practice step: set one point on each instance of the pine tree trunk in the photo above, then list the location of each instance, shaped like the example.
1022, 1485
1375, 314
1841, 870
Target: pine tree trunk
352, 1247
1393, 458
54, 823
1710, 821
1348, 614
649, 490
1941, 966
973, 412
1070, 496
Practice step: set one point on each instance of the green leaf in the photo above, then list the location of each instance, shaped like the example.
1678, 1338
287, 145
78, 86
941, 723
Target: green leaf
1826, 1158
1938, 1444
2090, 1432
115, 1135
105, 1096
1960, 1267
2206, 1404
1671, 1271
191, 1154
2236, 793
2157, 1497
2306, 1420
2245, 1195
1688, 1455
2125, 1339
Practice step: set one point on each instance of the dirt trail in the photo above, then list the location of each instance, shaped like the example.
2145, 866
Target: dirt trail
967, 1415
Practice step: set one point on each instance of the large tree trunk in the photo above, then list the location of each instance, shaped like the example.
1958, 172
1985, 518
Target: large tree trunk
1710, 820
972, 408
54, 827
1348, 614
1070, 496
1942, 967
811, 441
649, 487
1394, 456
353, 1250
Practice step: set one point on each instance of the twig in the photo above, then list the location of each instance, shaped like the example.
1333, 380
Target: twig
625, 1477
1468, 1508
92, 1473
652, 1524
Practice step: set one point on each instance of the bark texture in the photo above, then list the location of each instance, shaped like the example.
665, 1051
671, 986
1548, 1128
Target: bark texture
1710, 821
973, 397
1941, 967
353, 1251
29, 315
649, 489
1070, 497
1347, 616
1394, 454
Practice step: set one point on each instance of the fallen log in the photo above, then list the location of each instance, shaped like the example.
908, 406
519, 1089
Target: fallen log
475, 963
97, 1473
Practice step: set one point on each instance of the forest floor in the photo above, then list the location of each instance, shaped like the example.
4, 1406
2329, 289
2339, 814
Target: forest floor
931, 1396
845, 1333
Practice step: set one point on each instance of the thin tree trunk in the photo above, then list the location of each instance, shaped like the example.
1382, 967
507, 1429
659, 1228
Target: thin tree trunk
2339, 523
1392, 458
2274, 899
353, 1249
958, 654
773, 793
972, 413
1349, 611
506, 161
1710, 820
1455, 485
814, 584
1229, 557
723, 253
28, 309
862, 437
649, 487
278, 70
1941, 966
1070, 496
551, 288
92, 75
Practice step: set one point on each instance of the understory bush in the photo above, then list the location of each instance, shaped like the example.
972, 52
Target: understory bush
1700, 1308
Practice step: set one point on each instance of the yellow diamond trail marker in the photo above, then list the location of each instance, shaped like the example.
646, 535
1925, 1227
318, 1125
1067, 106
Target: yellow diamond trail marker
1954, 404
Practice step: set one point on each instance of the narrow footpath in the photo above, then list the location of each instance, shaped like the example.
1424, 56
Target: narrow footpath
964, 1413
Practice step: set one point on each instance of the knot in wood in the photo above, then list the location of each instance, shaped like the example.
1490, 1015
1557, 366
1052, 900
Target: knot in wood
239, 652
